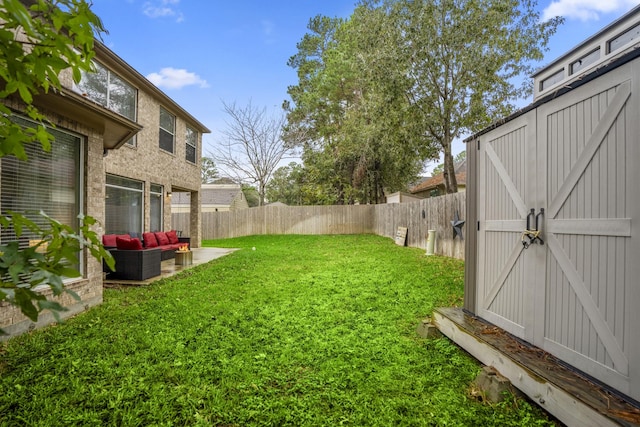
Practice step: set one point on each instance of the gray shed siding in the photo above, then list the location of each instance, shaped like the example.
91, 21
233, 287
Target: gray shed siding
577, 294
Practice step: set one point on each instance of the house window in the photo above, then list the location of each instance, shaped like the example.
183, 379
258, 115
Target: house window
167, 130
124, 205
192, 144
48, 181
109, 90
156, 207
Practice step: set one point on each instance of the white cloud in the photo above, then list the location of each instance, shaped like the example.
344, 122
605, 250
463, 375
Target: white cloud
267, 27
172, 78
162, 9
585, 10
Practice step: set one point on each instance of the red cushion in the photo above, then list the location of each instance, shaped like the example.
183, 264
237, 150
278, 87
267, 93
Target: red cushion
162, 238
173, 236
149, 240
128, 244
109, 240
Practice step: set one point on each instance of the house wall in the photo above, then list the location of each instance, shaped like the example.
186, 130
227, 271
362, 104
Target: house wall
239, 202
147, 162
89, 287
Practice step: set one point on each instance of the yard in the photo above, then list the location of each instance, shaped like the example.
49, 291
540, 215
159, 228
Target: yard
289, 330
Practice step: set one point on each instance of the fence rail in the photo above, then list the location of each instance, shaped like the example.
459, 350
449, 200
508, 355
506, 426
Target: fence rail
419, 217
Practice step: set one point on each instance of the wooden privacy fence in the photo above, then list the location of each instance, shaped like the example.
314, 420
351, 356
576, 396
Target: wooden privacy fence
418, 217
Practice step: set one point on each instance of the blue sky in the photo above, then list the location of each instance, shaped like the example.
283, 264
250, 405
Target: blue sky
203, 52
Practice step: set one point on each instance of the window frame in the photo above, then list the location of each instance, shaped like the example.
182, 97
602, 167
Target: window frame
156, 190
172, 132
122, 186
54, 196
106, 99
191, 134
112, 79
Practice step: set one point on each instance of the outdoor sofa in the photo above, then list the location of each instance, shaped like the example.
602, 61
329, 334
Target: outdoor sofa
137, 259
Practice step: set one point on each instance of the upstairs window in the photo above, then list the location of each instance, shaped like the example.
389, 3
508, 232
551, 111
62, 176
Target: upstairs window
192, 145
167, 130
109, 90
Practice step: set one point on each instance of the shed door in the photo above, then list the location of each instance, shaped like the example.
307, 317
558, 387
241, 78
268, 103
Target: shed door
572, 296
507, 179
585, 172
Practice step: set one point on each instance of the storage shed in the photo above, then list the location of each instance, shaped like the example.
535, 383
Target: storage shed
553, 247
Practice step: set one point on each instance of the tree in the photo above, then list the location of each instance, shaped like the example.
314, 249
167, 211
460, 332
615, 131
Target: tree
286, 185
462, 57
361, 138
440, 167
39, 40
252, 145
208, 170
397, 82
251, 195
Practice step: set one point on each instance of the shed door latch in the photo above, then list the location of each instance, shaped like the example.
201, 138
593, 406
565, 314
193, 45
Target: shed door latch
532, 234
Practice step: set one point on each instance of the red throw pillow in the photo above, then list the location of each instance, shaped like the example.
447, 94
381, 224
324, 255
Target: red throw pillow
162, 238
128, 244
109, 240
149, 240
173, 237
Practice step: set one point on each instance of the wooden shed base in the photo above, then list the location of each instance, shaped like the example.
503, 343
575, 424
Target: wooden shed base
568, 395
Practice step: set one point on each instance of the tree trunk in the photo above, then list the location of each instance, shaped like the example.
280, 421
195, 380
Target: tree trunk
449, 175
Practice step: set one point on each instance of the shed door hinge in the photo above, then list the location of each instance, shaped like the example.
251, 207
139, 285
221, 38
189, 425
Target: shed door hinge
478, 145
478, 225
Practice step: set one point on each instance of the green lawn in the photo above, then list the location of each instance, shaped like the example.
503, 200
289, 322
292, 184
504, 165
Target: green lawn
301, 330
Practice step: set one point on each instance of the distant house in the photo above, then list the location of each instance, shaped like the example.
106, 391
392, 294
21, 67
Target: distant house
214, 198
402, 197
434, 186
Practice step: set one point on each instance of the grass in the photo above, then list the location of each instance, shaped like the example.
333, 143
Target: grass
303, 330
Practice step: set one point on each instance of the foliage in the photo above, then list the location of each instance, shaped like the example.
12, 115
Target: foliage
46, 262
252, 145
385, 90
251, 194
286, 185
40, 39
457, 159
462, 57
303, 330
360, 139
39, 42
208, 170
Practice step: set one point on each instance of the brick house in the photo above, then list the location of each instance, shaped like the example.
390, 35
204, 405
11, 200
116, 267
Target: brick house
121, 148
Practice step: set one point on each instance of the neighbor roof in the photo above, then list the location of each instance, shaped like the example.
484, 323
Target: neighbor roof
434, 182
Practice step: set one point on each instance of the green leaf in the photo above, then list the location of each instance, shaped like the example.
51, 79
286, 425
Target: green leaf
23, 298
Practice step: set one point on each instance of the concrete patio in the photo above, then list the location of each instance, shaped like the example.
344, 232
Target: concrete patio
169, 267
